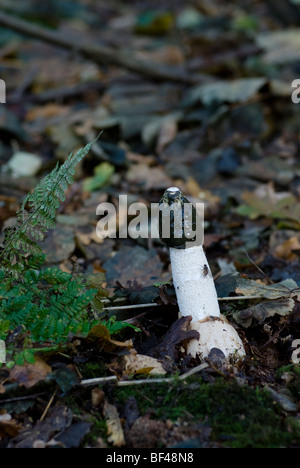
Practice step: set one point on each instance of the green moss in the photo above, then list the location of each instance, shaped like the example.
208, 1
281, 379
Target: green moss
238, 415
294, 377
90, 370
98, 430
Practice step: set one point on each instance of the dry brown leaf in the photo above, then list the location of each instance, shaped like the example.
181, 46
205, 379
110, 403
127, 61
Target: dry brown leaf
100, 335
200, 195
9, 428
248, 287
97, 397
140, 364
47, 111
166, 55
173, 344
167, 134
30, 374
114, 426
148, 177
286, 250
264, 310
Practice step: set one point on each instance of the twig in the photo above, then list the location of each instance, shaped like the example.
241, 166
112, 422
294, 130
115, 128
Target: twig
48, 405
193, 371
274, 336
98, 53
125, 383
154, 304
20, 398
258, 268
98, 380
133, 306
24, 85
239, 298
65, 92
200, 63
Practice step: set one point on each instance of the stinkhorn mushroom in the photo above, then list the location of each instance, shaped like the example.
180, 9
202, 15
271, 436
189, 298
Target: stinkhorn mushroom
193, 280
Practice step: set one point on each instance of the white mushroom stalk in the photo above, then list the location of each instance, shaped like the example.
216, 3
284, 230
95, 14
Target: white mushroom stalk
193, 281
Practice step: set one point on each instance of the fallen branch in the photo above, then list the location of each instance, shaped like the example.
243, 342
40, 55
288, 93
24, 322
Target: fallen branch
98, 53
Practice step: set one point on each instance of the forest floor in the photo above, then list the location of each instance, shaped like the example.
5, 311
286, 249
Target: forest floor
196, 95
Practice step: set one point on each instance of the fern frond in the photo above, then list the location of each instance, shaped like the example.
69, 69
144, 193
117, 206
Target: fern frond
42, 203
48, 303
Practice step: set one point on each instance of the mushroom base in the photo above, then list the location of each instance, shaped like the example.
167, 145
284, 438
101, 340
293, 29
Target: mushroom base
216, 332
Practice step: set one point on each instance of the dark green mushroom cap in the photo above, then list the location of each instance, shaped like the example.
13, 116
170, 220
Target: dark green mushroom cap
177, 219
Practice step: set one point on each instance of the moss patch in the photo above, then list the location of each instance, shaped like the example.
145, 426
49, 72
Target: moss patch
238, 416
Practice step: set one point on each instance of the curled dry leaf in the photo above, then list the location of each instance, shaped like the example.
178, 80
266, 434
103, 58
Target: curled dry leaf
177, 336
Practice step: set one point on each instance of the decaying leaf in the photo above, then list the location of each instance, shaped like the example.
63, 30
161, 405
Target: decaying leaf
264, 201
148, 177
280, 46
239, 90
114, 426
167, 134
59, 245
97, 397
8, 426
285, 244
30, 374
57, 419
100, 335
280, 290
280, 300
169, 349
264, 310
129, 264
